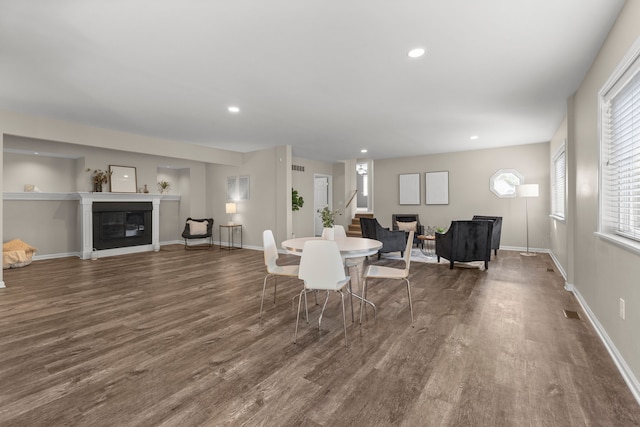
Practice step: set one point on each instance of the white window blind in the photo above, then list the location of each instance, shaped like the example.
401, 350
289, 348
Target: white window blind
558, 183
620, 185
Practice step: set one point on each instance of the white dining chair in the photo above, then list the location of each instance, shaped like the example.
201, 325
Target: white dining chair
382, 272
322, 269
273, 269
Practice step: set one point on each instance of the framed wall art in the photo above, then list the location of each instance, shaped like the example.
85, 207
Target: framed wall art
409, 188
437, 188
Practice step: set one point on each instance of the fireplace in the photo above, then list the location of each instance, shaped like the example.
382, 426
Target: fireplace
122, 224
128, 240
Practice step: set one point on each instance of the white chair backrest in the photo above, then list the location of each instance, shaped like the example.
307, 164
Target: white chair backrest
270, 250
339, 232
321, 265
407, 251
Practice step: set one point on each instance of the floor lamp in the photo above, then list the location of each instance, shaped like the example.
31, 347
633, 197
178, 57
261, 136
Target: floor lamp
527, 191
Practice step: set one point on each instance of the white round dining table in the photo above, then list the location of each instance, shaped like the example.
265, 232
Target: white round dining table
349, 247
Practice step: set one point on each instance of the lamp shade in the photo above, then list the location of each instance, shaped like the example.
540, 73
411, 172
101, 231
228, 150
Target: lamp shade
527, 190
230, 208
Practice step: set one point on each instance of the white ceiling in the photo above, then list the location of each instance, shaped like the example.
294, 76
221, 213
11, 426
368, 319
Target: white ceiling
328, 77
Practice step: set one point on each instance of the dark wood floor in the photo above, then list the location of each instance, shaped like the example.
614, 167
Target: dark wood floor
173, 339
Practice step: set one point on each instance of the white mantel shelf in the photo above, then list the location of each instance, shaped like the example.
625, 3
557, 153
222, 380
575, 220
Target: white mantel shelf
85, 213
104, 196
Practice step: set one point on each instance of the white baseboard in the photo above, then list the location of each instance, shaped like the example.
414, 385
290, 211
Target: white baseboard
54, 256
621, 364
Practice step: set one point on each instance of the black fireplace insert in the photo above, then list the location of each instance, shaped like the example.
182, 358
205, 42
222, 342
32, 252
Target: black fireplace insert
121, 224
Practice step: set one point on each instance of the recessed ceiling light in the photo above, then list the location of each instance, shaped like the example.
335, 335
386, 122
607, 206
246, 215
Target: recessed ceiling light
474, 137
416, 53
36, 153
364, 150
234, 109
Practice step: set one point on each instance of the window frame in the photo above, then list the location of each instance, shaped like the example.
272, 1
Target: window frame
559, 193
622, 76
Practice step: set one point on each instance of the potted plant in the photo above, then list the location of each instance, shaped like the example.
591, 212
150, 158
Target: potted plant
296, 200
328, 218
98, 178
163, 186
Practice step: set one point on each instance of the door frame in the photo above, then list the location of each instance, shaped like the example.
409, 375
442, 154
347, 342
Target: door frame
316, 205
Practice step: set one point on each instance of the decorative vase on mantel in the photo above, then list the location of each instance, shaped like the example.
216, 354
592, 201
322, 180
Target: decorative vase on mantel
328, 233
97, 187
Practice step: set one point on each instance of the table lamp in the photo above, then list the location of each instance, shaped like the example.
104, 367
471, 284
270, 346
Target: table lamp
231, 209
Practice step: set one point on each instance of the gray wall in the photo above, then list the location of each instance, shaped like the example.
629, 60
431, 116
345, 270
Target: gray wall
469, 193
603, 272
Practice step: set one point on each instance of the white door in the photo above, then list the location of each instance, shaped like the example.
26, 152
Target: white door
320, 200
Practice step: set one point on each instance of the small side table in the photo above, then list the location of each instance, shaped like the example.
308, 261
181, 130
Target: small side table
230, 228
428, 245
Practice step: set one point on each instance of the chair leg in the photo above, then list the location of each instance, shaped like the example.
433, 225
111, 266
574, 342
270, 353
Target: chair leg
264, 286
295, 335
350, 289
344, 320
275, 289
322, 312
410, 303
363, 296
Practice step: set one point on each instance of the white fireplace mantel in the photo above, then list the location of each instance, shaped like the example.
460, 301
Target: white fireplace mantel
86, 221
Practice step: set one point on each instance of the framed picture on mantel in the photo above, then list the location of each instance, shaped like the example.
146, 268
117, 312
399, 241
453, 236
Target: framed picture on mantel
123, 179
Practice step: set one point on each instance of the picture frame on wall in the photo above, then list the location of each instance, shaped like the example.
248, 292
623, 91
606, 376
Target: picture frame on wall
243, 187
123, 179
436, 188
238, 187
409, 188
232, 190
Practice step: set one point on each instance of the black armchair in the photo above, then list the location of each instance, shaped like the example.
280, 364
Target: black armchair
392, 241
198, 229
408, 218
497, 230
465, 241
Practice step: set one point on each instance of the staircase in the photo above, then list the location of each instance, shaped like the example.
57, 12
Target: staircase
354, 228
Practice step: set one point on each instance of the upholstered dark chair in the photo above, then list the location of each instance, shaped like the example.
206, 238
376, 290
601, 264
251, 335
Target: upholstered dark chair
497, 230
403, 219
465, 241
392, 241
197, 229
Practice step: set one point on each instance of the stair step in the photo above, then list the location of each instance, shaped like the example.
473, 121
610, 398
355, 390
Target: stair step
354, 228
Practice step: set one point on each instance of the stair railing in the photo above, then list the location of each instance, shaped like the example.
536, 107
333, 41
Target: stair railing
351, 199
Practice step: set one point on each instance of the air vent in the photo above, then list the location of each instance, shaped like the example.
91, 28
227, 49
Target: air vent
297, 168
570, 314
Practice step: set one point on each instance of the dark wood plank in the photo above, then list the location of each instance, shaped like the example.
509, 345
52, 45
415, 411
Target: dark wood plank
173, 338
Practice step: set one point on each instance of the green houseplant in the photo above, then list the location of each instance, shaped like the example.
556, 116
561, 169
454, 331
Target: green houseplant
164, 186
328, 216
296, 200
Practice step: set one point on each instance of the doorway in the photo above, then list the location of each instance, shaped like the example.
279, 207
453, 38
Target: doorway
321, 199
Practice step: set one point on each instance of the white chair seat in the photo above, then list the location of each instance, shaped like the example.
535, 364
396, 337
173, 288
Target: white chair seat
382, 272
285, 270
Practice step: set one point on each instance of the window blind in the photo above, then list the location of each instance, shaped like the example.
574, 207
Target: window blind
620, 208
